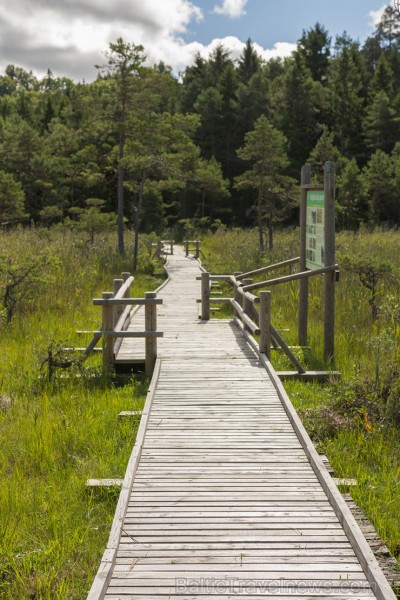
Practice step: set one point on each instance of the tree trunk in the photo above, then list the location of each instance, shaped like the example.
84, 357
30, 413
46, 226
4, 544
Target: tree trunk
270, 232
120, 209
136, 245
138, 208
9, 302
260, 222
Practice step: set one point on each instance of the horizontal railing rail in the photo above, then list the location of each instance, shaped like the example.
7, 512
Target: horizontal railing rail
269, 268
195, 246
294, 277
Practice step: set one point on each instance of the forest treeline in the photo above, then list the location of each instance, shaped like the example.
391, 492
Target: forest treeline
223, 142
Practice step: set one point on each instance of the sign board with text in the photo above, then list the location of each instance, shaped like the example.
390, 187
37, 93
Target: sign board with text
315, 229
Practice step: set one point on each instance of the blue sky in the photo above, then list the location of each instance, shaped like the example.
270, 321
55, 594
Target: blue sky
270, 21
71, 36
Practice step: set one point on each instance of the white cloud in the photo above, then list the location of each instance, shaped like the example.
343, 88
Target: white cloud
179, 55
71, 36
280, 50
376, 15
231, 8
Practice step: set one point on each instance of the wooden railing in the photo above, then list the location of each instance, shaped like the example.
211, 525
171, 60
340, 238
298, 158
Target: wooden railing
253, 313
194, 246
116, 317
163, 247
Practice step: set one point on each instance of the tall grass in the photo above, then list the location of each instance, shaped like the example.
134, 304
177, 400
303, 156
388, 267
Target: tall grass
56, 434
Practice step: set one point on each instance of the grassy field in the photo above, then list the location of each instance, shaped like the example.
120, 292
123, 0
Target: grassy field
54, 435
356, 421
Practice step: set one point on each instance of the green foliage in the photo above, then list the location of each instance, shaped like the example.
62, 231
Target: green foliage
12, 199
382, 189
372, 273
265, 149
21, 276
92, 220
352, 205
314, 45
128, 133
347, 77
323, 151
381, 125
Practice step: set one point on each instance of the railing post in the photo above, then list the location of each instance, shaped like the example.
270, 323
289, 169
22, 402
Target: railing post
247, 304
265, 324
150, 318
205, 296
172, 246
329, 278
118, 308
187, 247
303, 291
107, 325
197, 251
236, 296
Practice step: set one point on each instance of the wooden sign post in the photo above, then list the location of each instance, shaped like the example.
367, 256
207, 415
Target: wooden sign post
329, 278
317, 250
303, 293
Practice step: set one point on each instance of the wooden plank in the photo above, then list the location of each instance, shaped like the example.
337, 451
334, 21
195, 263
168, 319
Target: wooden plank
129, 414
104, 483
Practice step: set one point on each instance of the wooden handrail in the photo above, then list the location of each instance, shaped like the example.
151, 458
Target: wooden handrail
251, 321
285, 279
114, 323
121, 321
197, 249
245, 318
251, 297
291, 261
129, 334
127, 301
124, 288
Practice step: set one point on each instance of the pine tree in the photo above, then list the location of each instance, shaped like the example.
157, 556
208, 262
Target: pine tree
314, 46
265, 149
249, 62
123, 65
381, 124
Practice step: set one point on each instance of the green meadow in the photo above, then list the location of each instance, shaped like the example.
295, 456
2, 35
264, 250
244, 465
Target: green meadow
56, 433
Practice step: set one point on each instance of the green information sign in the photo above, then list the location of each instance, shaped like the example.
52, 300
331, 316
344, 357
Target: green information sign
315, 230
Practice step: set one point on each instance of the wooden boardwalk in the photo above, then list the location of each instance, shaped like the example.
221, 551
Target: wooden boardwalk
224, 495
